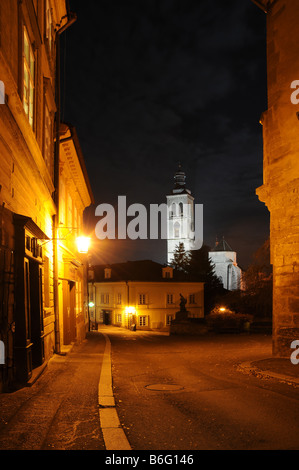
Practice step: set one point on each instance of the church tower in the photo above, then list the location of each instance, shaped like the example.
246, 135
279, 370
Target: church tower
180, 215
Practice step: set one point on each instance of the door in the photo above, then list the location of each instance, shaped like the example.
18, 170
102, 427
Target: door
36, 313
69, 320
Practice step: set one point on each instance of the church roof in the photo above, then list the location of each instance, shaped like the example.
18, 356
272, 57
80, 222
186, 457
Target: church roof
222, 246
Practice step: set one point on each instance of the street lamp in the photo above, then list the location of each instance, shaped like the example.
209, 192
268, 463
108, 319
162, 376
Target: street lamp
83, 244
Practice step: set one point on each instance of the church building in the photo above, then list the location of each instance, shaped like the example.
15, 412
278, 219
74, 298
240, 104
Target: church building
225, 265
180, 229
180, 215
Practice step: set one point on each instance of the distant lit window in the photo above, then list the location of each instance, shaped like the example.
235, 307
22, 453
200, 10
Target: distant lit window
119, 318
29, 72
119, 299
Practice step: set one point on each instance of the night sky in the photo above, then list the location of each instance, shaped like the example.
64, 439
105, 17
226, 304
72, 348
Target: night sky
150, 83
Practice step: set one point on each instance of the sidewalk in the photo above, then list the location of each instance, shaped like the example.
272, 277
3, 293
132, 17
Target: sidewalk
275, 368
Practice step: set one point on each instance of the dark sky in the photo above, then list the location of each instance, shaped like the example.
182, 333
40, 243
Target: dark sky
149, 83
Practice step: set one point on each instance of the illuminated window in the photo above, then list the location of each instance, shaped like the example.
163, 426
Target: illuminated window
170, 298
119, 318
176, 230
29, 71
49, 25
119, 299
143, 320
107, 273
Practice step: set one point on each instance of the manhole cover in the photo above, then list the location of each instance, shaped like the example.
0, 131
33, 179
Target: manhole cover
164, 387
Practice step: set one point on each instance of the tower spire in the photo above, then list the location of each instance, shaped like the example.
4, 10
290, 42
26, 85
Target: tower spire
179, 178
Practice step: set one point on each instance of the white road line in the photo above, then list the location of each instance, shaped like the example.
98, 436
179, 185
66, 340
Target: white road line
113, 434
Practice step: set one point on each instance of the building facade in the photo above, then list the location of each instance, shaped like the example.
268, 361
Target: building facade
141, 293
74, 196
29, 175
225, 264
280, 189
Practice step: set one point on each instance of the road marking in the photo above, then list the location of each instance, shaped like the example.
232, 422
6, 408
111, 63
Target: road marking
113, 434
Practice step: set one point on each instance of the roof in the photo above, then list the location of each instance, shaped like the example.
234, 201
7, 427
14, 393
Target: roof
180, 182
222, 246
143, 270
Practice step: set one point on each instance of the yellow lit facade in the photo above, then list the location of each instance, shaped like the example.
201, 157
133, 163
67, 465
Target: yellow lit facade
36, 253
72, 247
150, 305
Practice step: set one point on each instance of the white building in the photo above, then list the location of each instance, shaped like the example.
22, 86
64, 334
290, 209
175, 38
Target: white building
226, 268
180, 218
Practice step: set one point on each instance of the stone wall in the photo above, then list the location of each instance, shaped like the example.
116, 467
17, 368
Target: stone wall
281, 170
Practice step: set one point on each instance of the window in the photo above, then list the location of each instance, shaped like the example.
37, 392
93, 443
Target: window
118, 299
107, 273
192, 299
170, 298
29, 72
62, 201
143, 320
169, 319
119, 318
142, 299
46, 282
49, 25
69, 211
104, 298
48, 137
181, 209
176, 230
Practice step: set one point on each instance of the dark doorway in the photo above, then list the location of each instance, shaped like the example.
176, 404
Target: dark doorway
107, 317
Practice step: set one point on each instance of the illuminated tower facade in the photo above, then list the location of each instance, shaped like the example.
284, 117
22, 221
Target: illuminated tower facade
180, 215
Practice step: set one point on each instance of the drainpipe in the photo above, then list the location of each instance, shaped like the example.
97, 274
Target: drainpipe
71, 19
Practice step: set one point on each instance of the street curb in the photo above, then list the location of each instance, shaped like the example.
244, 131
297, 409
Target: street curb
249, 368
113, 434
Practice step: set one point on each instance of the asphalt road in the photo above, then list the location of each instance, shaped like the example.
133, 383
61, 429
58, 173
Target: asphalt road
177, 393
171, 393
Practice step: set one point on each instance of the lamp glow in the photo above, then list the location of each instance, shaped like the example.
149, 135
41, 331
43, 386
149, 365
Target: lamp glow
83, 244
130, 310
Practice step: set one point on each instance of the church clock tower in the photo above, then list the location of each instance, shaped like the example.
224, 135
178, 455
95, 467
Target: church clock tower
180, 215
